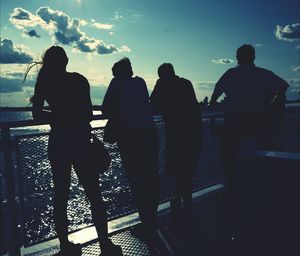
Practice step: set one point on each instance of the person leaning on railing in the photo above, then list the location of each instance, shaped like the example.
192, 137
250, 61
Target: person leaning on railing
174, 97
250, 95
70, 114
126, 104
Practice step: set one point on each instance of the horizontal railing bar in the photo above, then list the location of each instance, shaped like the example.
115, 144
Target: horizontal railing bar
30, 108
99, 107
280, 155
32, 122
29, 135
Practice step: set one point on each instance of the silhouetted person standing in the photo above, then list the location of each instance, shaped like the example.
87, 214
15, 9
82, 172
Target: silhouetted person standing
127, 103
175, 99
249, 92
70, 114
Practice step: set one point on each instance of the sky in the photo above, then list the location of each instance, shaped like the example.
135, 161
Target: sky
199, 37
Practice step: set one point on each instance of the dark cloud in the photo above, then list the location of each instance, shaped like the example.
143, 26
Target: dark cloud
68, 30
223, 61
22, 18
20, 14
288, 33
13, 82
32, 33
13, 54
103, 48
294, 82
85, 44
294, 89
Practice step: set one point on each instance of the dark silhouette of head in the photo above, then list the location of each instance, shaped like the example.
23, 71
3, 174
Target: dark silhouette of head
166, 71
122, 68
55, 58
54, 65
245, 54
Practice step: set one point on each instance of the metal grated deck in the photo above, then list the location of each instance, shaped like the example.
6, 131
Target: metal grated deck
130, 245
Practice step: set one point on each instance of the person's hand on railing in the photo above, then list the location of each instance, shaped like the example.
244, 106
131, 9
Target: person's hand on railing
213, 103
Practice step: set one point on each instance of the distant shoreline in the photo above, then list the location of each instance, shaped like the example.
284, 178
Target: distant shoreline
99, 107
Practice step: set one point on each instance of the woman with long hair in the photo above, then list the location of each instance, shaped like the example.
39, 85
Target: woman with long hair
68, 97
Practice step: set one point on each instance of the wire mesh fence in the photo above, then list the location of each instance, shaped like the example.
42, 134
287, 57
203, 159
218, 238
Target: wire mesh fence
34, 186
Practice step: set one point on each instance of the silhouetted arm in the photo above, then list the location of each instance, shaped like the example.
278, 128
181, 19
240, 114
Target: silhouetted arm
87, 98
155, 99
38, 100
279, 84
219, 89
191, 93
277, 90
109, 103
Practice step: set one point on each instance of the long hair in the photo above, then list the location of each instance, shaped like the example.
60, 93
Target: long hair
53, 63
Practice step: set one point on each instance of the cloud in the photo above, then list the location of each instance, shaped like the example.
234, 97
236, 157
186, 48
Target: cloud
258, 45
205, 85
31, 33
295, 82
22, 18
65, 30
288, 33
297, 47
13, 82
15, 99
79, 2
125, 48
293, 91
101, 25
223, 61
13, 54
296, 69
130, 15
117, 16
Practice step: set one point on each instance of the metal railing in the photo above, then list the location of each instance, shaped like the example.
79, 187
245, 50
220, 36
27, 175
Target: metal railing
16, 164
25, 163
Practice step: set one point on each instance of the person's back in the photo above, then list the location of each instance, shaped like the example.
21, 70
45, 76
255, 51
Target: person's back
126, 104
69, 109
174, 98
133, 105
249, 92
68, 97
247, 88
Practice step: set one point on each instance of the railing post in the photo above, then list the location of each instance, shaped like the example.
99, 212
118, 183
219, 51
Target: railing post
14, 248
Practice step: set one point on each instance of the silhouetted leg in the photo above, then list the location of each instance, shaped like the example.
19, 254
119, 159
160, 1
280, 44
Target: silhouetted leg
89, 179
139, 153
152, 170
183, 191
231, 181
187, 193
61, 180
